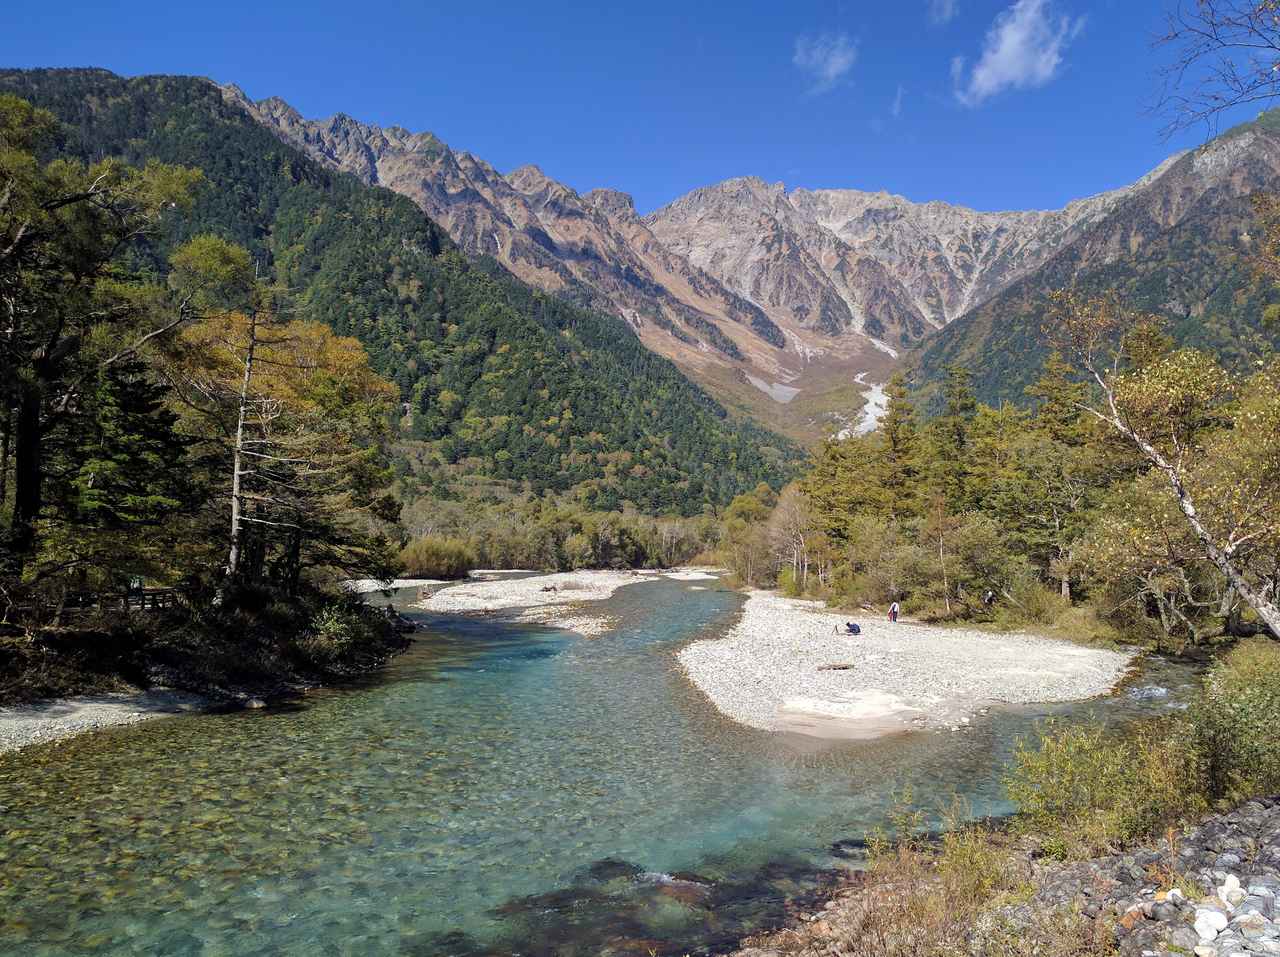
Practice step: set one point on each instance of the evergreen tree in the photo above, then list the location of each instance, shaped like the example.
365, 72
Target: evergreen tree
949, 436
1058, 396
72, 313
900, 452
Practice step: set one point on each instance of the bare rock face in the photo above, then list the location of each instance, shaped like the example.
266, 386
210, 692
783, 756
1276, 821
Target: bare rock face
847, 260
593, 248
754, 288
1179, 243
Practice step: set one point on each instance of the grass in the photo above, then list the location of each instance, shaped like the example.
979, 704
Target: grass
926, 898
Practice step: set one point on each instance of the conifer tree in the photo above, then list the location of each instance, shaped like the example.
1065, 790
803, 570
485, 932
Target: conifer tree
949, 437
900, 452
1058, 394
70, 312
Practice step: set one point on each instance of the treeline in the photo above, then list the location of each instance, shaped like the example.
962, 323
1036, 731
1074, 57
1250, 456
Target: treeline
1139, 494
447, 539
494, 379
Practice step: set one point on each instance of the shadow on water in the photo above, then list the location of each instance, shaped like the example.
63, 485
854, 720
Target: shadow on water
615, 907
500, 789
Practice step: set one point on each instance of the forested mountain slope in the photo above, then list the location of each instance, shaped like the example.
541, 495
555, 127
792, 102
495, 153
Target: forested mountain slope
591, 248
1181, 248
497, 378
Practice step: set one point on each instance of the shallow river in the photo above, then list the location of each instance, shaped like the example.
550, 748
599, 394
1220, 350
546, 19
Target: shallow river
495, 791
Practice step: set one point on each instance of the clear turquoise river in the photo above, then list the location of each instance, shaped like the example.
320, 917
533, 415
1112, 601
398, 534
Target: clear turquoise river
495, 791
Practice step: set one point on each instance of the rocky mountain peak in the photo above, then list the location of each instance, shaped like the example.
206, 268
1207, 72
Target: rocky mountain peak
279, 108
531, 179
783, 287
612, 203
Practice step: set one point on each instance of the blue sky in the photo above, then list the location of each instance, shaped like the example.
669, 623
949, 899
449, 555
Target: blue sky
996, 104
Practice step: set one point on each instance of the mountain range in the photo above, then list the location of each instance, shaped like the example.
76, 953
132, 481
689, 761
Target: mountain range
506, 390
788, 306
789, 303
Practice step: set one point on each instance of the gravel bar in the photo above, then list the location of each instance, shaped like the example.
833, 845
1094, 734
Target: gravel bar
563, 590
784, 666
44, 721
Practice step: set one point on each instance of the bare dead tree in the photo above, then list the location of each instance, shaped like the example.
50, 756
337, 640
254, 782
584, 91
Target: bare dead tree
237, 449
1225, 54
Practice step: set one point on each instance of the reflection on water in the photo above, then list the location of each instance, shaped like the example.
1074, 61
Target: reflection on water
501, 788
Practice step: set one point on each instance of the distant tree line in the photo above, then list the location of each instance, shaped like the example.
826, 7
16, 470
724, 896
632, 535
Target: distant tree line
1138, 495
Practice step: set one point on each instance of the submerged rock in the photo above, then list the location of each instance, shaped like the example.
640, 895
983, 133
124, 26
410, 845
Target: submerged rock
609, 869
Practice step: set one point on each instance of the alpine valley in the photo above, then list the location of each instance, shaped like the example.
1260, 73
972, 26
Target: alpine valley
521, 572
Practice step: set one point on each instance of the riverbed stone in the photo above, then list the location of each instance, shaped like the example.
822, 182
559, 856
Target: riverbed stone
1250, 926
1184, 938
1210, 923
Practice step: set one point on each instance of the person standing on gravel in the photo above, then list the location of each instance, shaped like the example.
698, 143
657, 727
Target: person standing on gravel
893, 611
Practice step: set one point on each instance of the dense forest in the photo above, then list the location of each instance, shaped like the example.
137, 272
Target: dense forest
495, 379
171, 427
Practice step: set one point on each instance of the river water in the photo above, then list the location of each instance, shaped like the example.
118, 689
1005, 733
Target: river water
497, 790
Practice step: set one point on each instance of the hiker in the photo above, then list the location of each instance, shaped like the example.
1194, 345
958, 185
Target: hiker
989, 598
893, 611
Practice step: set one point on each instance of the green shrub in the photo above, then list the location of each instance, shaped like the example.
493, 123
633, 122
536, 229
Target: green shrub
787, 583
434, 557
1036, 603
1234, 721
1081, 623
334, 631
1085, 790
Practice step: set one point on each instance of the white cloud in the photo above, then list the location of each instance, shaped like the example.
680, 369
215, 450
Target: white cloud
826, 58
896, 108
1023, 50
943, 11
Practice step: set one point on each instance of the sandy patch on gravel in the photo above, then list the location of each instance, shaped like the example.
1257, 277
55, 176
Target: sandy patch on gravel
783, 666
691, 575
364, 586
22, 725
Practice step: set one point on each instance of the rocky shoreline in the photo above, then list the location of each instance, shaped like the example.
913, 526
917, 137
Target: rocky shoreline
787, 665
1213, 891
1229, 866
166, 689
